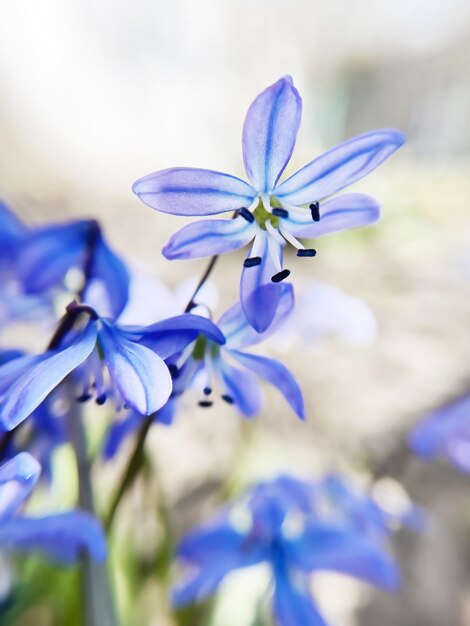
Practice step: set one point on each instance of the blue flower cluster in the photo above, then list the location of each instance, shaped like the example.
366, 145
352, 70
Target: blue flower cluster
143, 371
297, 528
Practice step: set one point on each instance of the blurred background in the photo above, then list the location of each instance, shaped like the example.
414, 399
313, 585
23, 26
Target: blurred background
96, 94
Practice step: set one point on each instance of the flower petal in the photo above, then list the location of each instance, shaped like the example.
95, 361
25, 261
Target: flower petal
191, 191
293, 604
240, 334
62, 537
269, 133
108, 268
340, 167
243, 388
45, 373
17, 479
49, 252
275, 373
446, 431
259, 296
339, 549
140, 375
350, 210
209, 237
214, 551
172, 335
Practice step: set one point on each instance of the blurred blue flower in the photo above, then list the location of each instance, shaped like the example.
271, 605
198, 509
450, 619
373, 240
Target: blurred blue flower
274, 526
445, 433
62, 537
207, 365
48, 254
266, 211
132, 356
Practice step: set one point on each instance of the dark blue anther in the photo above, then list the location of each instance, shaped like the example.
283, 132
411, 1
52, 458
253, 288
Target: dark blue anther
228, 399
315, 211
307, 252
205, 403
280, 213
252, 261
84, 397
207, 391
247, 215
101, 399
277, 278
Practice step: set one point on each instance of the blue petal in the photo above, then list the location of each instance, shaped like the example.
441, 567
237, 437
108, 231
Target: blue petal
350, 210
269, 133
17, 479
12, 230
120, 430
293, 604
139, 374
445, 431
112, 273
62, 537
191, 191
243, 388
214, 552
259, 296
275, 373
326, 547
49, 252
44, 374
209, 237
172, 335
340, 166
240, 334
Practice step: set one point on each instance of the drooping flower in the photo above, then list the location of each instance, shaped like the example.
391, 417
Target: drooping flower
62, 537
136, 375
267, 211
272, 526
445, 433
48, 255
209, 366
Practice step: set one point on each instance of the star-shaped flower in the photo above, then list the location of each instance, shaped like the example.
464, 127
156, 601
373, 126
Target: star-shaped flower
266, 211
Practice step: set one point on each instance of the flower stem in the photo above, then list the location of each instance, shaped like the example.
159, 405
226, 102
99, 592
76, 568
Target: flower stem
136, 459
98, 599
191, 304
133, 467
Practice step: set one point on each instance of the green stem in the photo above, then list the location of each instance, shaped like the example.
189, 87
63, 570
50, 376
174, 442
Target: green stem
97, 596
134, 465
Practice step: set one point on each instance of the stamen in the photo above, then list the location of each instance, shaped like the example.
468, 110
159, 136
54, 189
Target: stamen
174, 371
246, 214
280, 212
274, 232
207, 391
315, 211
252, 261
228, 399
84, 397
280, 276
101, 399
307, 252
288, 236
205, 403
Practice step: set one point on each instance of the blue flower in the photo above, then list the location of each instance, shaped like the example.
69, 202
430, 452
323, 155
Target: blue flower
272, 526
445, 433
269, 212
62, 537
217, 366
137, 375
47, 254
208, 365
